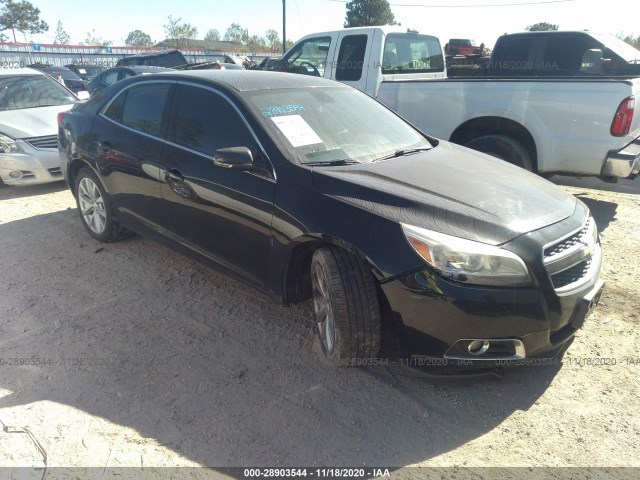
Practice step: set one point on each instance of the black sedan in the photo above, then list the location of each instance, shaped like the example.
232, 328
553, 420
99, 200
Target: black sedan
115, 74
84, 71
307, 188
65, 76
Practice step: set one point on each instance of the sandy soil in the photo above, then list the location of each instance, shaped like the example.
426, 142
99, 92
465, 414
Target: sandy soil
137, 356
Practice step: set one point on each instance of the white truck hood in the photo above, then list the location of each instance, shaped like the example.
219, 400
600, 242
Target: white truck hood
31, 122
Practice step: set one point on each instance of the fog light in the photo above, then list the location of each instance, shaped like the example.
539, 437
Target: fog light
478, 347
15, 174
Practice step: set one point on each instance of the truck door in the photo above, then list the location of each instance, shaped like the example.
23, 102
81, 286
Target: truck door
353, 56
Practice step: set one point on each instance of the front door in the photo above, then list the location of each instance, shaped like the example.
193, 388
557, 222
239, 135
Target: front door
222, 214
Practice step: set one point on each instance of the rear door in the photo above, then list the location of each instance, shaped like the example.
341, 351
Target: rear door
352, 60
129, 141
221, 214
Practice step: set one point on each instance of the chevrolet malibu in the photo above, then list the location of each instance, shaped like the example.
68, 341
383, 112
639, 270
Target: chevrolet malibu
29, 104
307, 188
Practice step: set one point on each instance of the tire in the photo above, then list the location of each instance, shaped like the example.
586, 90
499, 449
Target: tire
346, 307
504, 148
94, 207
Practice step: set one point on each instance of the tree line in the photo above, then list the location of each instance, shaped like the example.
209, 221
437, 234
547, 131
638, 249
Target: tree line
24, 18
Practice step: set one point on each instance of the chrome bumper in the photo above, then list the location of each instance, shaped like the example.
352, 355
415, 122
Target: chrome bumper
625, 162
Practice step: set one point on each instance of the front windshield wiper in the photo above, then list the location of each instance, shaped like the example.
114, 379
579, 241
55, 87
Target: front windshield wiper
331, 163
403, 152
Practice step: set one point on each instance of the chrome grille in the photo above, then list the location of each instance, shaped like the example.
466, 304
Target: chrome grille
568, 243
568, 261
45, 142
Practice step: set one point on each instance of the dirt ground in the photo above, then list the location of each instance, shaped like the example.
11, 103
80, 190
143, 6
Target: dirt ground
137, 356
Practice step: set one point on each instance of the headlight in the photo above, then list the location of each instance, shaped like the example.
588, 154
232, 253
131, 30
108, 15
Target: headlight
468, 261
8, 144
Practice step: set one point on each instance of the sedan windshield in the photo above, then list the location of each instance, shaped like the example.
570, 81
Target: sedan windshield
30, 91
333, 125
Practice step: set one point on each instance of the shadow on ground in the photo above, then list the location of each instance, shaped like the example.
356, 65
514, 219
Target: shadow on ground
208, 367
7, 193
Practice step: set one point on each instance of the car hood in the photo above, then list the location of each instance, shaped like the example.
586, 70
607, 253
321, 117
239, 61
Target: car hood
453, 190
31, 122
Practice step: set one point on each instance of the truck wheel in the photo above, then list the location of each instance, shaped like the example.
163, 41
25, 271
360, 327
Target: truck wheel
94, 206
504, 148
346, 306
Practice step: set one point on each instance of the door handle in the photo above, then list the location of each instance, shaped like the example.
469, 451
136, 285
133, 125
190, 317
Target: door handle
174, 176
104, 146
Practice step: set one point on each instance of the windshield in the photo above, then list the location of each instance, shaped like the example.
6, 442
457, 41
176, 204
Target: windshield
320, 125
620, 47
30, 91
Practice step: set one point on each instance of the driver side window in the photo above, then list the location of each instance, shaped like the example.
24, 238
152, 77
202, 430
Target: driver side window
310, 57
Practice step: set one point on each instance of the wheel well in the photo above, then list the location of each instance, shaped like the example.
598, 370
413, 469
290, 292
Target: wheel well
73, 171
479, 127
297, 277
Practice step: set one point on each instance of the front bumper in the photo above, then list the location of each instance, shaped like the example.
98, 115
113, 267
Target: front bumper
623, 163
30, 167
480, 325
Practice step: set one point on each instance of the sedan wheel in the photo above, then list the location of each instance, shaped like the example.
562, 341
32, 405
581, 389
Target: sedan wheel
91, 206
95, 208
346, 306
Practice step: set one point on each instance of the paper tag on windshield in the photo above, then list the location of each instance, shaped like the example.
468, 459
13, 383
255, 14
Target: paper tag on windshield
297, 131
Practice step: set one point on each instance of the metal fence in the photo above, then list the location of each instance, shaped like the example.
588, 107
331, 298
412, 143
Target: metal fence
18, 55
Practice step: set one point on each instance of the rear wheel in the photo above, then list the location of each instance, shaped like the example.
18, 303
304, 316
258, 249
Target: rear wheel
95, 208
504, 148
346, 307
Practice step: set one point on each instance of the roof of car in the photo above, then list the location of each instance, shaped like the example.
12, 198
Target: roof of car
249, 80
142, 68
19, 71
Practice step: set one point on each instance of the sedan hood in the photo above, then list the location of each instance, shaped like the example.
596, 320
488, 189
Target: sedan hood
453, 190
31, 122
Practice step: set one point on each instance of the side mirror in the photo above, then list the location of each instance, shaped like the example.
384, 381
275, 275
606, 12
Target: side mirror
592, 62
83, 95
235, 158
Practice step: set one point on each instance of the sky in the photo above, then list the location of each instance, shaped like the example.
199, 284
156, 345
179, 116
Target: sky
482, 20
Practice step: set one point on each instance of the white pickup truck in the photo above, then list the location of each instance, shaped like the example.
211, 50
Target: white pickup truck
550, 102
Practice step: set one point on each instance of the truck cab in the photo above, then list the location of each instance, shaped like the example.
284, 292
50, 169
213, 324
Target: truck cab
364, 57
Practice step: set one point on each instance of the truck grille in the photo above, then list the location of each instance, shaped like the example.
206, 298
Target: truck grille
568, 261
45, 142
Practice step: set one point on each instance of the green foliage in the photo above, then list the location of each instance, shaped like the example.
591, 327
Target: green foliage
212, 35
542, 27
235, 33
137, 38
180, 32
21, 16
630, 39
93, 39
364, 13
273, 38
62, 37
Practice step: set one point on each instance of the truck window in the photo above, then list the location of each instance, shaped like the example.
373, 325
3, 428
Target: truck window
309, 57
351, 58
412, 54
513, 56
563, 55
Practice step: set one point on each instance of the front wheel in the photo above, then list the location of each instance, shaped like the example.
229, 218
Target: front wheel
346, 307
95, 208
504, 148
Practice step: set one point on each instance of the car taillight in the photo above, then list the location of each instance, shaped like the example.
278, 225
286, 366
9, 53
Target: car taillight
623, 118
61, 115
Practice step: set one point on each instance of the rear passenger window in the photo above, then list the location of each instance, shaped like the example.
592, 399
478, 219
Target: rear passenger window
515, 59
144, 106
351, 58
114, 111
